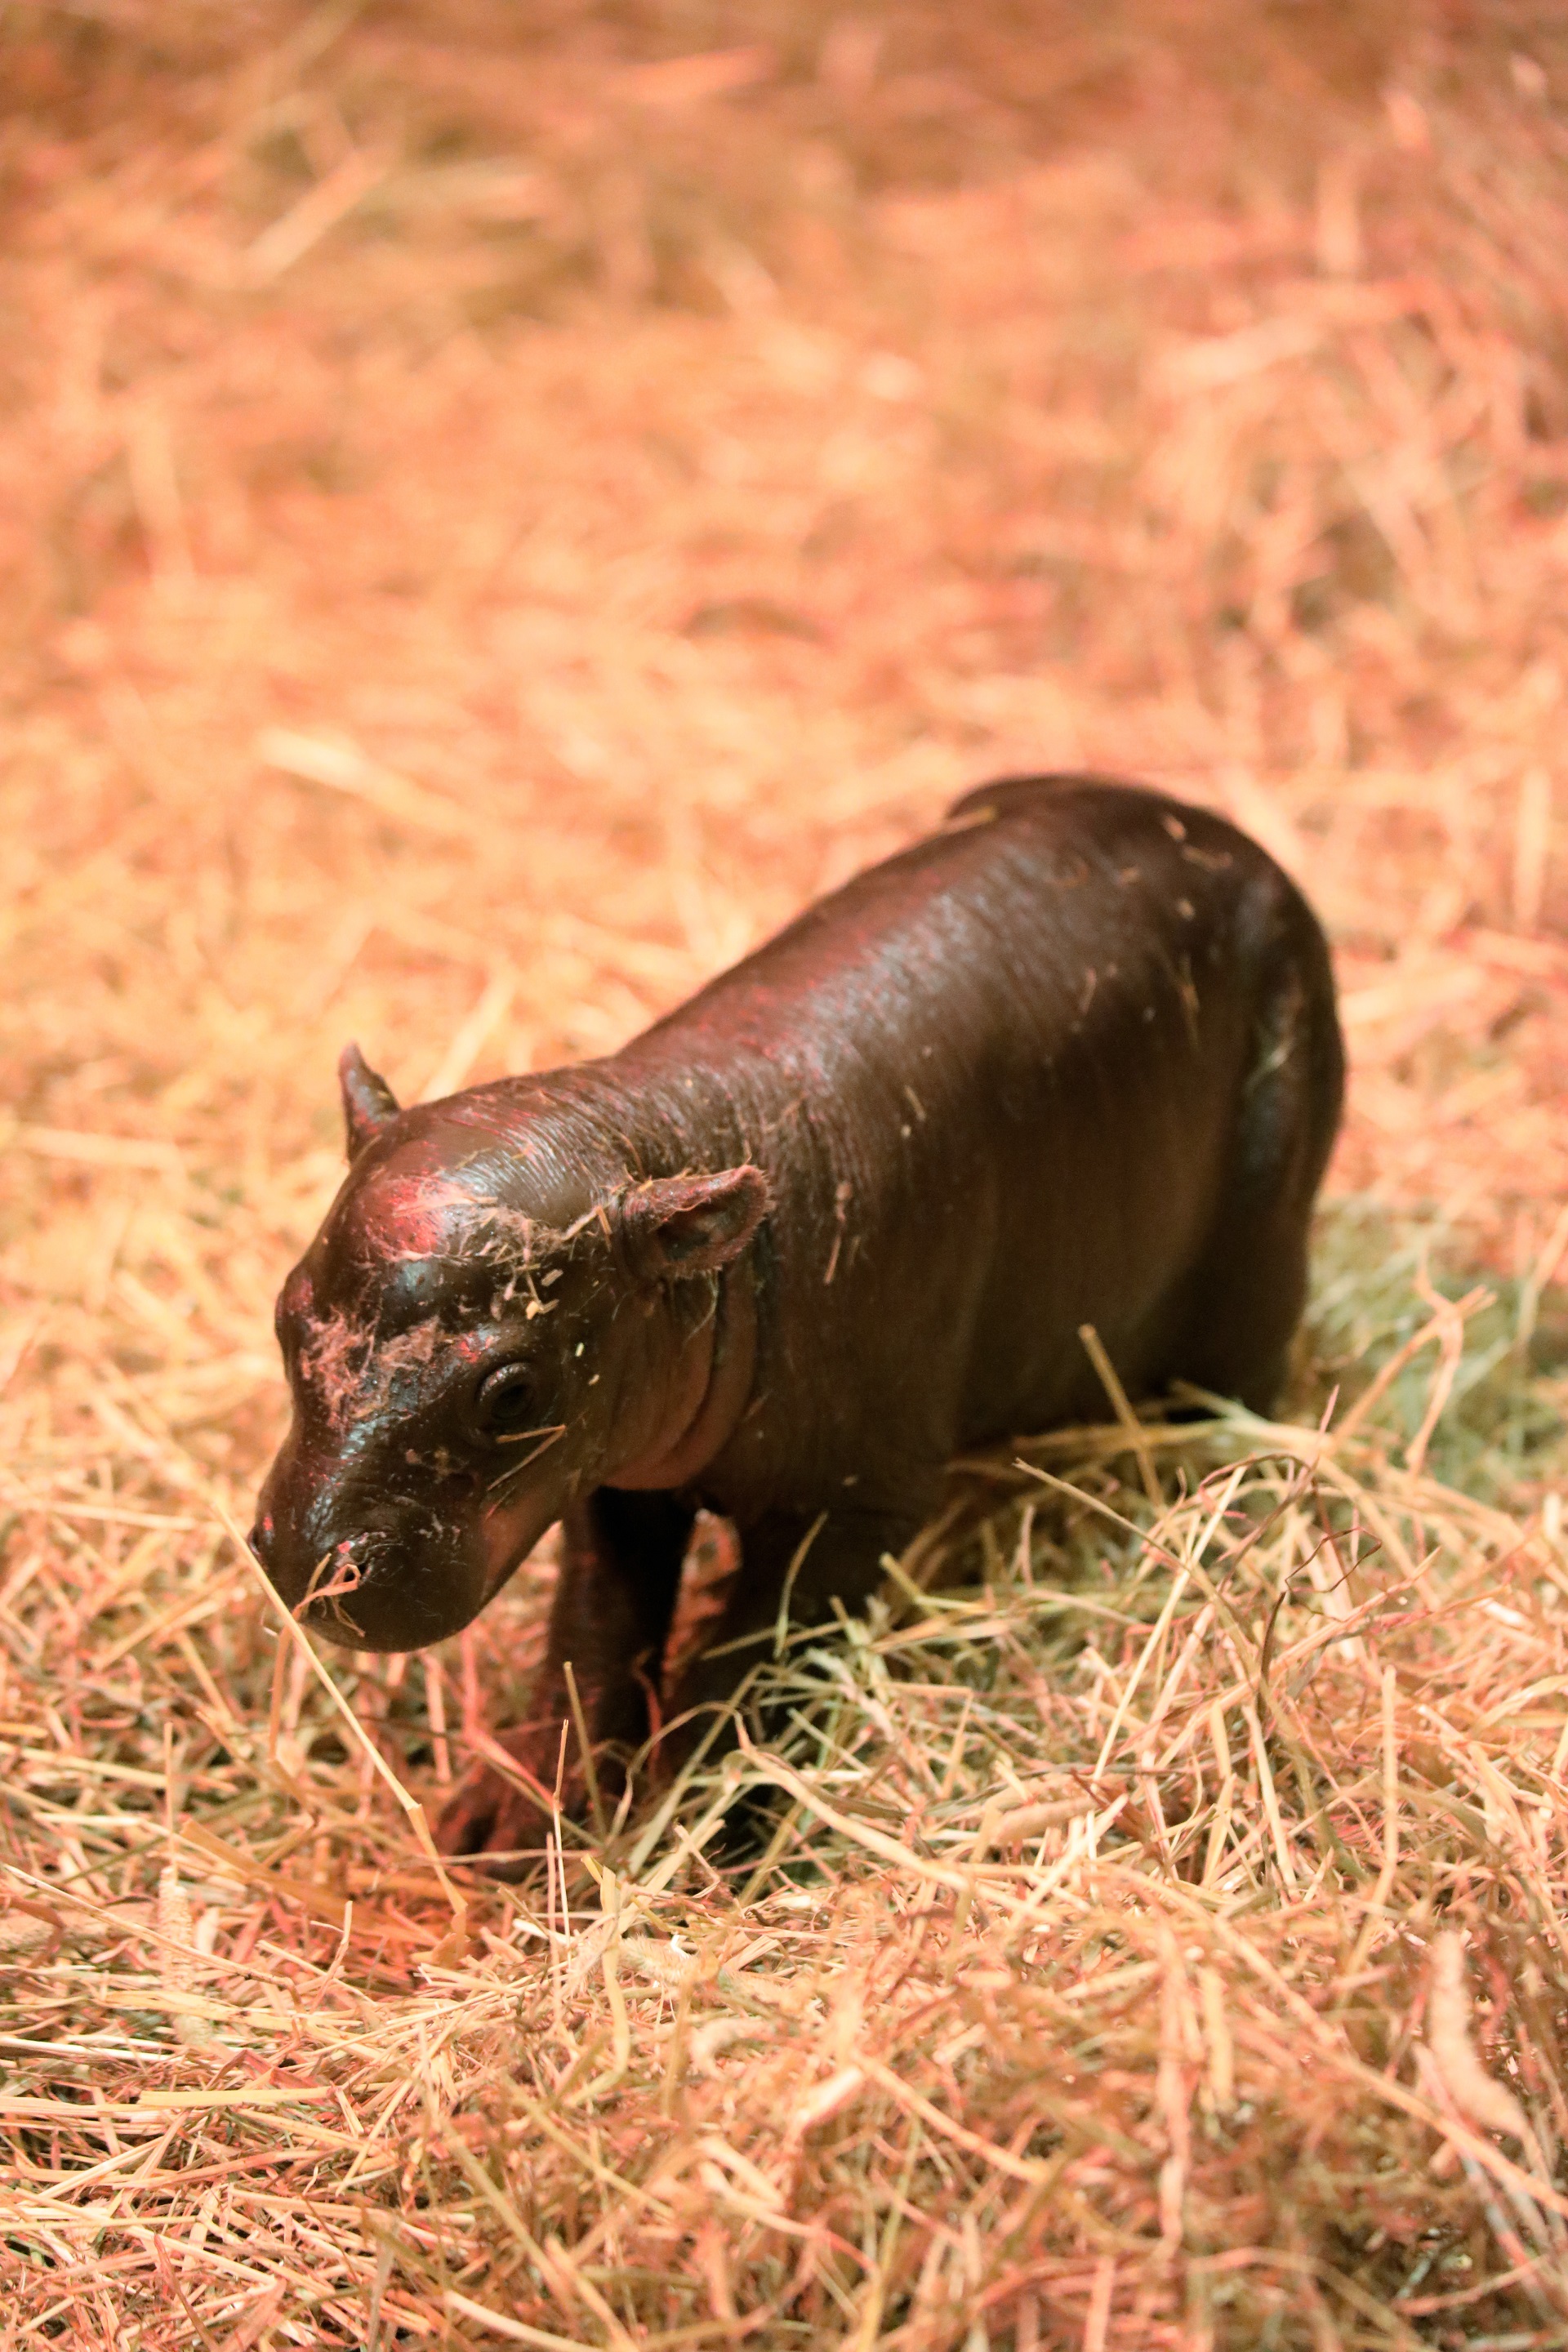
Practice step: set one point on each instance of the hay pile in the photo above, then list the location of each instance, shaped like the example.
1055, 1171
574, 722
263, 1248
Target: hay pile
492, 520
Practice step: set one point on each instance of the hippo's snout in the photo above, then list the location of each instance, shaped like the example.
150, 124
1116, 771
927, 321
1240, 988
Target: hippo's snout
371, 1567
369, 1591
363, 1570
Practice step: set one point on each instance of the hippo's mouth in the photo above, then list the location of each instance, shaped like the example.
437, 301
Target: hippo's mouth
376, 1589
323, 1600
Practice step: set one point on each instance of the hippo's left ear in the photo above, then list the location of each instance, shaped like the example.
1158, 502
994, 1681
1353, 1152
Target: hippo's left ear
692, 1224
368, 1101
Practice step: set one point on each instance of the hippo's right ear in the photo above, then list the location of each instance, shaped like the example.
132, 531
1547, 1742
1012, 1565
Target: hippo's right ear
690, 1225
368, 1101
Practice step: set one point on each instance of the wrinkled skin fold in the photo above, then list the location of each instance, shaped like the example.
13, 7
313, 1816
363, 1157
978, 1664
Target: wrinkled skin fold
1072, 1060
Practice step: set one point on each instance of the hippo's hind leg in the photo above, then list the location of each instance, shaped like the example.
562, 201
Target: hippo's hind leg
621, 1557
1244, 1296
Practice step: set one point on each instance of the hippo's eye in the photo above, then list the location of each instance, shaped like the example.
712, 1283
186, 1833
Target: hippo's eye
504, 1406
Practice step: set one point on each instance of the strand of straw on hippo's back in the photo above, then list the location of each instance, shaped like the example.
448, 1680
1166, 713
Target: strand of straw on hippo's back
409, 1804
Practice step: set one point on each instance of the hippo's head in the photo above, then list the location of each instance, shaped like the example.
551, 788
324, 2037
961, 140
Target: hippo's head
486, 1326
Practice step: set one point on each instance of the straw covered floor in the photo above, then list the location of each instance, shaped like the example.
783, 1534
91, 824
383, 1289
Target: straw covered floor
498, 508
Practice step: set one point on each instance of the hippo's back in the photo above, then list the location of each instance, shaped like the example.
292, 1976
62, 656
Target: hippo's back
1000, 1084
1033, 884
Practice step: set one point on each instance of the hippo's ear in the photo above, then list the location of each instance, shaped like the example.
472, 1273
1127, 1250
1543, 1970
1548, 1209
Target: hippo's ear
368, 1101
692, 1224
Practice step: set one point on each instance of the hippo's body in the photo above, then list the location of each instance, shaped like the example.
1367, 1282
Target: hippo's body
837, 1219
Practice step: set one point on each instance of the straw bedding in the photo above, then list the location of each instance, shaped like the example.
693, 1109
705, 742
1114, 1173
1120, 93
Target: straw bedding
494, 515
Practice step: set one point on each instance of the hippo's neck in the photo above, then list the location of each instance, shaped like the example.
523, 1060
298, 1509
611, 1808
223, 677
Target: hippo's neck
729, 1339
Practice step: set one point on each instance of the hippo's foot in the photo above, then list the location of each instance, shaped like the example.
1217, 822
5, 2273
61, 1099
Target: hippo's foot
500, 1816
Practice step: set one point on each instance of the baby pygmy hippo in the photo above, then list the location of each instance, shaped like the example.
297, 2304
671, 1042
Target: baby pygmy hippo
1074, 1059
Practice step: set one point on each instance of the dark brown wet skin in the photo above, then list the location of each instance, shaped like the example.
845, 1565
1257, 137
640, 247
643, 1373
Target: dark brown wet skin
839, 1217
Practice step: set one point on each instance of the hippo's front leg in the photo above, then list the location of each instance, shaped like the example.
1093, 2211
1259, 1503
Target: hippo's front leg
791, 1563
621, 1555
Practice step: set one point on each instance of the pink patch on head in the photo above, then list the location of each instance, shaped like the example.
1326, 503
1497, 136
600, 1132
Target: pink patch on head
413, 1216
